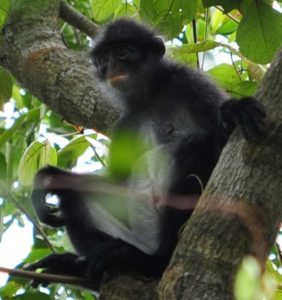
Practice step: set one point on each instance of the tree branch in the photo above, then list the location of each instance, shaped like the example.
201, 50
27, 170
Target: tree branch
54, 278
33, 51
77, 20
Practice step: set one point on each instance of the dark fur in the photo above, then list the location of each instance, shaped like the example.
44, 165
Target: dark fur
185, 113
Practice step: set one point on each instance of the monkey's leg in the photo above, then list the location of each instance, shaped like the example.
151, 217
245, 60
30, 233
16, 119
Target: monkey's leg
195, 159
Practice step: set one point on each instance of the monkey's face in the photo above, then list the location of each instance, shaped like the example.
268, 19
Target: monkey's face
117, 64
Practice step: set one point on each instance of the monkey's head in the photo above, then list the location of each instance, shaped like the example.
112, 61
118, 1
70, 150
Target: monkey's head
120, 52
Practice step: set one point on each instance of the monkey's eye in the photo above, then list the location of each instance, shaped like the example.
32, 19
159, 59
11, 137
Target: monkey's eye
123, 52
102, 59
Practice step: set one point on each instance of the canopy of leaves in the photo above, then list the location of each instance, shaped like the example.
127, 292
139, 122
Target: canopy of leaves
264, 24
169, 16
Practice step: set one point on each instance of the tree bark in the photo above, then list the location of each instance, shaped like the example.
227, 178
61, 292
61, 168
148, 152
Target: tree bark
33, 51
240, 210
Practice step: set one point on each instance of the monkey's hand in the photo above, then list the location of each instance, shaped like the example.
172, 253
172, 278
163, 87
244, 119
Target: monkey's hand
58, 264
248, 113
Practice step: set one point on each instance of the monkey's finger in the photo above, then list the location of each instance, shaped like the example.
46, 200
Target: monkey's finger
258, 108
246, 126
36, 283
259, 124
45, 262
34, 266
254, 122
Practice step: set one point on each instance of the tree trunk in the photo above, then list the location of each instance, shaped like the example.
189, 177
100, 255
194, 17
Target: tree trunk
239, 212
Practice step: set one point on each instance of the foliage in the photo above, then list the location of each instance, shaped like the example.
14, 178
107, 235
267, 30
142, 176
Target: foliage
251, 284
231, 39
261, 21
6, 85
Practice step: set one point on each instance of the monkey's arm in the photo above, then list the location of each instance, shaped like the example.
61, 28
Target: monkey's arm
51, 181
101, 263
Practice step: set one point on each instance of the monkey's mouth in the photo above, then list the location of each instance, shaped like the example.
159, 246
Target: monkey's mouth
117, 79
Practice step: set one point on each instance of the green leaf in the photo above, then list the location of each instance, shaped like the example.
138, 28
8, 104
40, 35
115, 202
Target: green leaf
186, 59
1, 223
259, 33
278, 295
217, 18
36, 156
27, 100
227, 27
273, 272
125, 9
30, 116
16, 95
186, 54
9, 290
104, 9
37, 254
3, 11
169, 16
54, 120
126, 148
227, 5
247, 280
33, 295
6, 86
87, 295
47, 155
74, 149
9, 132
195, 48
244, 89
136, 3
226, 76
33, 115
255, 71
3, 167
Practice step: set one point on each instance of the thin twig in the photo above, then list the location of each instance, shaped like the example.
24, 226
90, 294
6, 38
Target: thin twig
205, 37
26, 213
77, 20
194, 25
228, 15
45, 277
97, 155
236, 70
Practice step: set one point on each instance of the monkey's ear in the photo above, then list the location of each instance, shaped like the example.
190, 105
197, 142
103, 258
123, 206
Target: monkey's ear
158, 47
